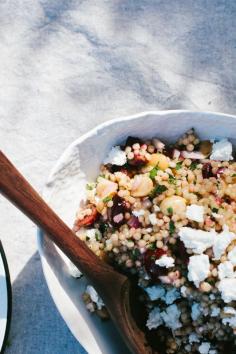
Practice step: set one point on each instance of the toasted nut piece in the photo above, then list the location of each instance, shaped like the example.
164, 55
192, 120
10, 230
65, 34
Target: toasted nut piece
178, 204
141, 186
159, 160
205, 147
205, 287
106, 188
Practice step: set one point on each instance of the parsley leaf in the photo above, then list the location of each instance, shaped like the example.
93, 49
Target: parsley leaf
152, 246
193, 165
171, 227
90, 186
153, 172
234, 175
159, 189
170, 210
178, 165
215, 210
107, 199
172, 179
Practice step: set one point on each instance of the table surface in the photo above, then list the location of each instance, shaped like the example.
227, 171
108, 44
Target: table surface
66, 66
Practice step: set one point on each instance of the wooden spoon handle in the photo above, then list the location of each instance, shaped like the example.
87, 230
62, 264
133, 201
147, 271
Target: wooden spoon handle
14, 186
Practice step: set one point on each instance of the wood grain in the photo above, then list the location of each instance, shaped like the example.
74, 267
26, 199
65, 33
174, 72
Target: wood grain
113, 287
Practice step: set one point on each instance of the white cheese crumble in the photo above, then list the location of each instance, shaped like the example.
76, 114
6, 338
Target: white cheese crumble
227, 287
93, 234
154, 318
196, 311
116, 157
232, 256
204, 348
165, 261
231, 321
215, 312
197, 240
139, 212
153, 219
212, 297
94, 296
222, 151
217, 216
222, 241
198, 268
195, 212
193, 338
226, 270
74, 271
171, 317
155, 292
171, 296
229, 310
183, 291
156, 208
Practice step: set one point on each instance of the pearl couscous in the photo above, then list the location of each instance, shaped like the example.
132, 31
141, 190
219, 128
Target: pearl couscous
165, 215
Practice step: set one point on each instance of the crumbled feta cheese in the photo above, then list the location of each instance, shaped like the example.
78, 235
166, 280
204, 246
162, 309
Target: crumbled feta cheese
94, 296
153, 219
156, 208
195, 212
197, 240
229, 310
215, 312
204, 348
154, 319
171, 295
222, 151
93, 234
217, 216
183, 291
222, 241
198, 268
212, 297
231, 321
155, 292
193, 338
171, 317
165, 261
213, 351
227, 287
116, 157
139, 212
232, 256
74, 271
196, 311
226, 270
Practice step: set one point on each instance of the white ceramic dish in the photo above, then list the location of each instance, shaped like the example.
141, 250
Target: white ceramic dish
65, 189
5, 300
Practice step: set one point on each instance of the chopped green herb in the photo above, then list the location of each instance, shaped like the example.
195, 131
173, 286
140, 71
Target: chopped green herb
215, 210
159, 189
107, 199
170, 210
90, 186
153, 172
152, 246
172, 179
193, 165
171, 227
103, 227
178, 165
135, 254
97, 235
234, 175
87, 238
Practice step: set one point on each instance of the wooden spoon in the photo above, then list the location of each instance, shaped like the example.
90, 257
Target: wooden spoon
113, 287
